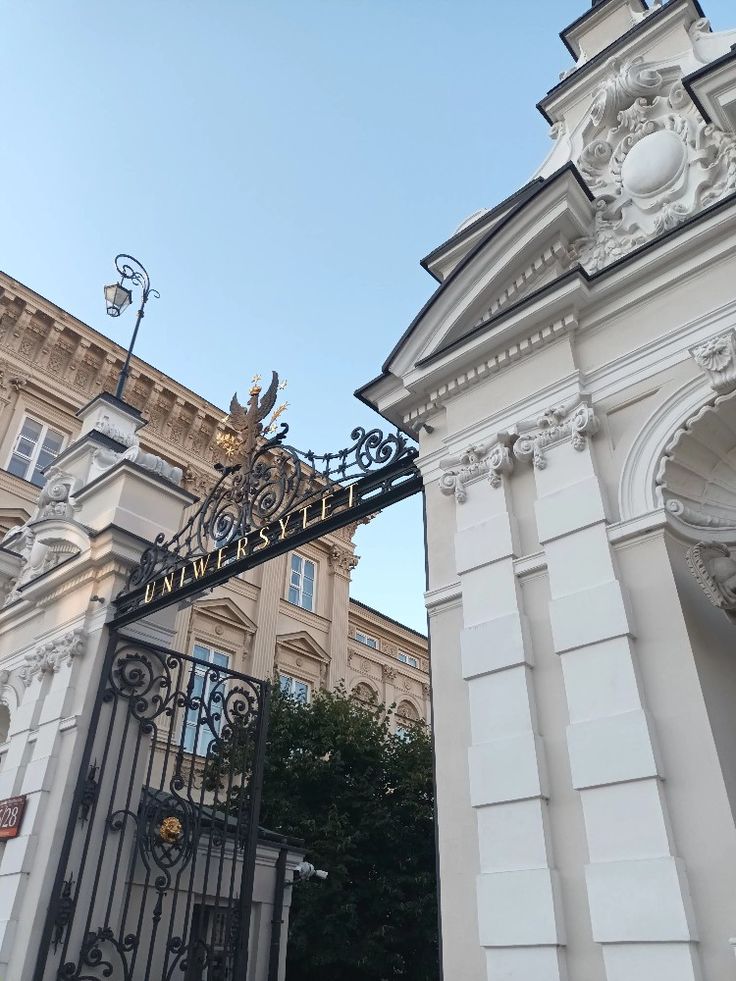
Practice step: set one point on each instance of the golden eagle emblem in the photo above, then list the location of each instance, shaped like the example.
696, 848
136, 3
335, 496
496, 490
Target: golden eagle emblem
249, 424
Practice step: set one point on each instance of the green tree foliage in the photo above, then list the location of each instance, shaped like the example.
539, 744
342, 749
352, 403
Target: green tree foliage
362, 799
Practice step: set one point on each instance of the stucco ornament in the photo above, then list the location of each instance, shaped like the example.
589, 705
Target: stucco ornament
108, 428
105, 459
50, 536
717, 358
342, 560
52, 654
714, 568
650, 158
574, 422
493, 459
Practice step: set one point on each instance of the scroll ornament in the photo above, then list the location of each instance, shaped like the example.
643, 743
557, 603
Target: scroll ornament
714, 568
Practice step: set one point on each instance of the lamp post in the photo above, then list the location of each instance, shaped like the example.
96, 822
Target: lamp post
118, 298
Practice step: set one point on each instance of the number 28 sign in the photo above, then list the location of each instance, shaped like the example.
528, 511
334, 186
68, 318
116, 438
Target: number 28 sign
11, 814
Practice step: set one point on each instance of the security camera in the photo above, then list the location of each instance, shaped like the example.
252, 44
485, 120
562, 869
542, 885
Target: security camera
305, 870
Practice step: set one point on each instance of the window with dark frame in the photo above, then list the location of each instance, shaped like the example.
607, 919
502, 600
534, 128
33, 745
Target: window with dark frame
36, 446
301, 582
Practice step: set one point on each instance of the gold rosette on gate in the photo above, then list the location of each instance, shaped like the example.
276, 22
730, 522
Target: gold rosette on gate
171, 830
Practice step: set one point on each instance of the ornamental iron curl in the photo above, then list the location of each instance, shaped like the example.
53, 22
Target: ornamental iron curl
273, 480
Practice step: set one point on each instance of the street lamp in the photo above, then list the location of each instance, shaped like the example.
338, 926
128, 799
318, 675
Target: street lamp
118, 298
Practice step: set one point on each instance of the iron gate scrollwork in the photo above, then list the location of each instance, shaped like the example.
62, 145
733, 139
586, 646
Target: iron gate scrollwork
157, 877
269, 497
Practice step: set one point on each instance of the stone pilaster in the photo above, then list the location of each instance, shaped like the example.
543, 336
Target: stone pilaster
342, 561
269, 598
520, 921
637, 889
53, 637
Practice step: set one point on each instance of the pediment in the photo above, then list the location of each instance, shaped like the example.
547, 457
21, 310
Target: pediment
526, 251
300, 642
223, 608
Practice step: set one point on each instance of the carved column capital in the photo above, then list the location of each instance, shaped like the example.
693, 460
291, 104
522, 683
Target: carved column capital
342, 560
567, 423
52, 654
493, 459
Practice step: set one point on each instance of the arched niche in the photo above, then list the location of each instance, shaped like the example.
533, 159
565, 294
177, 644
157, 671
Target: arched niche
696, 475
4, 722
639, 491
407, 711
365, 693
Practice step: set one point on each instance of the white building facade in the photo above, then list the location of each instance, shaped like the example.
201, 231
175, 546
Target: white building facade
573, 384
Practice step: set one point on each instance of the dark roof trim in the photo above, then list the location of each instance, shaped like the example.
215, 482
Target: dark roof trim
699, 73
274, 838
608, 51
383, 616
93, 436
577, 272
582, 18
466, 232
111, 400
137, 468
568, 168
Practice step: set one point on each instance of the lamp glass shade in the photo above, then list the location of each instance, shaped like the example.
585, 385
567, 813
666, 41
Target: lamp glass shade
117, 298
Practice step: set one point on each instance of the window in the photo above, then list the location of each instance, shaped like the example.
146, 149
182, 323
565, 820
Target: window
198, 734
408, 659
406, 718
36, 446
301, 582
300, 690
366, 639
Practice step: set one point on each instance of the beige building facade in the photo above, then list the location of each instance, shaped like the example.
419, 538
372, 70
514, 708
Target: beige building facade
573, 383
293, 616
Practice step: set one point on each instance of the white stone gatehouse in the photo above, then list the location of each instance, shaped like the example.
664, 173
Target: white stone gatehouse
572, 381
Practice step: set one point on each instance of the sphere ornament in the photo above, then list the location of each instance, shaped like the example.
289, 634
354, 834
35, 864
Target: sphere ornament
654, 163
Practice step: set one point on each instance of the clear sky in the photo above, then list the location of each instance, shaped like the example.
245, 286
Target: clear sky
280, 166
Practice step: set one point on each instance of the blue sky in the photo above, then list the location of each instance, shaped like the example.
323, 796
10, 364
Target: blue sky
280, 166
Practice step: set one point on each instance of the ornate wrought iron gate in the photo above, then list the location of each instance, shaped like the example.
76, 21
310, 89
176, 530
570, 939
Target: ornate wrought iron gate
155, 876
156, 879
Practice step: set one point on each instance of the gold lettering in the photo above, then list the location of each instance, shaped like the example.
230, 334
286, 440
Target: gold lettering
199, 566
242, 546
168, 583
324, 505
219, 558
150, 590
264, 538
181, 576
284, 522
304, 516
350, 495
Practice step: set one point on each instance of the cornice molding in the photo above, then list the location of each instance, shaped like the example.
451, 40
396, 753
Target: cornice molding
513, 353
